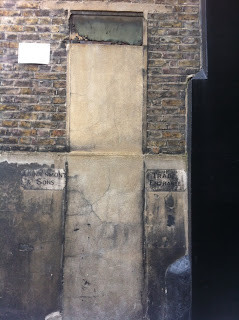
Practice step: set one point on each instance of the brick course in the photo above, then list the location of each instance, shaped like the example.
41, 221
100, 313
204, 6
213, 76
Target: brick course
173, 54
33, 97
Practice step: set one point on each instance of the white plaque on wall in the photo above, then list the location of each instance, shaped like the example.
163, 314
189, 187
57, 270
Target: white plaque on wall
34, 53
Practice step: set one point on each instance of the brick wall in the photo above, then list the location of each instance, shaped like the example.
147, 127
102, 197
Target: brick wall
173, 54
33, 97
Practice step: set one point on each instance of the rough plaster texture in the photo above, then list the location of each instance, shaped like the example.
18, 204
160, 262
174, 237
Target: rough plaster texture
106, 98
165, 235
103, 274
110, 229
31, 228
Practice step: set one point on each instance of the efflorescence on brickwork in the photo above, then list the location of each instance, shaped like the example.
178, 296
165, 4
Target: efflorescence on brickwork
33, 97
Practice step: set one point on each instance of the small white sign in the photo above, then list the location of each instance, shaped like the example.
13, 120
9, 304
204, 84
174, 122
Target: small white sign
166, 180
34, 53
43, 179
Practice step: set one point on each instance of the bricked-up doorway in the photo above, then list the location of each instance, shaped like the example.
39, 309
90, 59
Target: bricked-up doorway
215, 172
103, 270
106, 82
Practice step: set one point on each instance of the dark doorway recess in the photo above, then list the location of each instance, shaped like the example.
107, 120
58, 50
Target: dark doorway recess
215, 171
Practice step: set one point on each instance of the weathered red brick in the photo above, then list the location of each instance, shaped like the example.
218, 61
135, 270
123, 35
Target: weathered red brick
9, 123
27, 5
58, 133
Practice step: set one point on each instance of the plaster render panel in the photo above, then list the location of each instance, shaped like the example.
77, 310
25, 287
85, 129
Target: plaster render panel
103, 274
31, 228
106, 98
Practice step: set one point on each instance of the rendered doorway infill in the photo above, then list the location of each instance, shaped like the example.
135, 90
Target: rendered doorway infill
106, 86
103, 274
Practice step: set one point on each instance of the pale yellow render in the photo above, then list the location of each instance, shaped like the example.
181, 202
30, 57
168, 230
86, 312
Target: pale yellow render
106, 98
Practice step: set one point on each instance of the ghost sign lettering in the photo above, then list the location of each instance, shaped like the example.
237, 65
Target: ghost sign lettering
166, 180
43, 179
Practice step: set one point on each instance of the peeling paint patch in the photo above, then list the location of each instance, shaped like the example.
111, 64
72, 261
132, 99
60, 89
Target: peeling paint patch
25, 247
180, 266
178, 289
54, 316
170, 209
